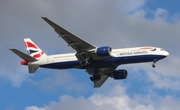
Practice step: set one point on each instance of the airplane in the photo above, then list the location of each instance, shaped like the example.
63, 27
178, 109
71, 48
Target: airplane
99, 62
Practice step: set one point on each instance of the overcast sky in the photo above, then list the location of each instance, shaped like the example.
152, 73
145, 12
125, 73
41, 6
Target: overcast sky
117, 23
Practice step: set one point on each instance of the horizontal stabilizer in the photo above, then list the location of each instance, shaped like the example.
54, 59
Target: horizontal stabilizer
32, 69
23, 55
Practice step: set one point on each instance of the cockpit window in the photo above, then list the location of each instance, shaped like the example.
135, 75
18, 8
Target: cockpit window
162, 49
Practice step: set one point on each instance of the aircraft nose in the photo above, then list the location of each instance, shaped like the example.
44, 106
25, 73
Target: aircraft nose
166, 53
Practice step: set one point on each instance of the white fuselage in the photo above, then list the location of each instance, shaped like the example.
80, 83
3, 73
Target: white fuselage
118, 56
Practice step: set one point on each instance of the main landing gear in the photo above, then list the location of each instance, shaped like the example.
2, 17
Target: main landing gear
85, 62
94, 74
95, 77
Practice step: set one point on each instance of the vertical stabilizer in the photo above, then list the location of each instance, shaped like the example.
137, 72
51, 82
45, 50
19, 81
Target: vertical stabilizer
33, 50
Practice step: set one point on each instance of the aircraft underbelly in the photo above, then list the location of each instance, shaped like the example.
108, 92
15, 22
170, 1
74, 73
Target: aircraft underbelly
110, 62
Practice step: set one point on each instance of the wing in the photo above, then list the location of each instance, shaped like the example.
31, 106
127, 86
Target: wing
73, 41
104, 73
98, 83
85, 50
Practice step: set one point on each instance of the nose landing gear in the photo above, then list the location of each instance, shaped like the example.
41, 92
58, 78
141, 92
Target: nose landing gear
154, 62
153, 65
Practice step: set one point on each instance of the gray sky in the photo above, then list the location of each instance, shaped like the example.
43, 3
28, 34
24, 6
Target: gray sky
100, 23
117, 23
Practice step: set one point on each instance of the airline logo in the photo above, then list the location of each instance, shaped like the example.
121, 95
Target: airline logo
33, 50
148, 48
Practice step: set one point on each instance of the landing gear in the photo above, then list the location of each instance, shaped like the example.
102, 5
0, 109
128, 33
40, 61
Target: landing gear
153, 65
154, 62
95, 77
85, 62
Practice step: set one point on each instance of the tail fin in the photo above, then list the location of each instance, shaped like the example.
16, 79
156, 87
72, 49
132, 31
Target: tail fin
34, 53
32, 49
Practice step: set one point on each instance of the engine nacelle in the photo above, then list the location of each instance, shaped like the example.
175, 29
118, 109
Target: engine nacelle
104, 51
120, 74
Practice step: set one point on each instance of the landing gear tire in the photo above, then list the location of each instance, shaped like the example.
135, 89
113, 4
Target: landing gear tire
95, 77
154, 62
92, 78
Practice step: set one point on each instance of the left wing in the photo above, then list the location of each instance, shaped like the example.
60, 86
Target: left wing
85, 50
72, 40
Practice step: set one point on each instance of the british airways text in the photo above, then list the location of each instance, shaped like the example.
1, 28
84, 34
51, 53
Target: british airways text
133, 53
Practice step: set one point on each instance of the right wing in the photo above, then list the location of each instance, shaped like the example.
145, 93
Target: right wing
98, 83
104, 73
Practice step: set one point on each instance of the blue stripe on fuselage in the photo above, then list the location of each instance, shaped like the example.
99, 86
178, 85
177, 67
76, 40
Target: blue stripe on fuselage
110, 62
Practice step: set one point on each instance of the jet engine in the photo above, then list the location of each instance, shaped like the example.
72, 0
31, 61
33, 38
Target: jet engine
103, 51
119, 74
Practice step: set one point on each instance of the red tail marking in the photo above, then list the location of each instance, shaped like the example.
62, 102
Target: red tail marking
146, 48
29, 44
24, 62
38, 55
